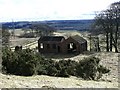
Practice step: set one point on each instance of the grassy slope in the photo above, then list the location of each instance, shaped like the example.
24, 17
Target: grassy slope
109, 80
110, 60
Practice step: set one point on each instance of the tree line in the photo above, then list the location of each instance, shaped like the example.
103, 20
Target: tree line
36, 30
107, 22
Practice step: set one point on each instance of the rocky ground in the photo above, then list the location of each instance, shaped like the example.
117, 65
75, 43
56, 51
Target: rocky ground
110, 80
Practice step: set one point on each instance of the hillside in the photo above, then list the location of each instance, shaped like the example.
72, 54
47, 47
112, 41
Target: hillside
110, 80
109, 60
81, 25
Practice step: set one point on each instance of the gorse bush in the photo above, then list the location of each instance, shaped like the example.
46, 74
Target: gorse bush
68, 66
46, 67
23, 62
27, 63
87, 68
102, 69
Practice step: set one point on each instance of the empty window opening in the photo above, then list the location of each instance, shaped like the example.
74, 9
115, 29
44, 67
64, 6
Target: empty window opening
58, 49
48, 46
71, 47
41, 45
54, 46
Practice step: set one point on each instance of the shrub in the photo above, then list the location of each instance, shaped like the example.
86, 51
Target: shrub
26, 63
69, 66
47, 67
7, 59
65, 68
103, 69
62, 73
89, 67
61, 69
23, 62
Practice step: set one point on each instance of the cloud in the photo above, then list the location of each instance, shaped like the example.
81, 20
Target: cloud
50, 9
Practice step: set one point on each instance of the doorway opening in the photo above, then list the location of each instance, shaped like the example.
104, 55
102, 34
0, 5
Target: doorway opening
58, 49
71, 47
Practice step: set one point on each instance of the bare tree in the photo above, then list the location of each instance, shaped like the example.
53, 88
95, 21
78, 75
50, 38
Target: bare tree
108, 23
115, 9
42, 29
5, 36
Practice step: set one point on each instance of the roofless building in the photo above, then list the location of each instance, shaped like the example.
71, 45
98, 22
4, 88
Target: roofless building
58, 44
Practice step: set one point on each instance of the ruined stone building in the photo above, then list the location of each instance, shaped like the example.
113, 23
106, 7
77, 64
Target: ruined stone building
58, 44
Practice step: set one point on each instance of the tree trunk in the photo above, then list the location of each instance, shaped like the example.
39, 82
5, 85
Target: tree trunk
98, 44
111, 39
107, 41
90, 43
116, 37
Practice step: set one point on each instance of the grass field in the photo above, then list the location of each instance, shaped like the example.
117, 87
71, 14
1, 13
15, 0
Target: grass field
25, 42
66, 33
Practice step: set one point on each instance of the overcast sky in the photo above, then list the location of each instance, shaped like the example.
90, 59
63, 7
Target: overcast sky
39, 10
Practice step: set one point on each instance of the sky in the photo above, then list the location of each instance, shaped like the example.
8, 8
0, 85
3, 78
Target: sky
40, 10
